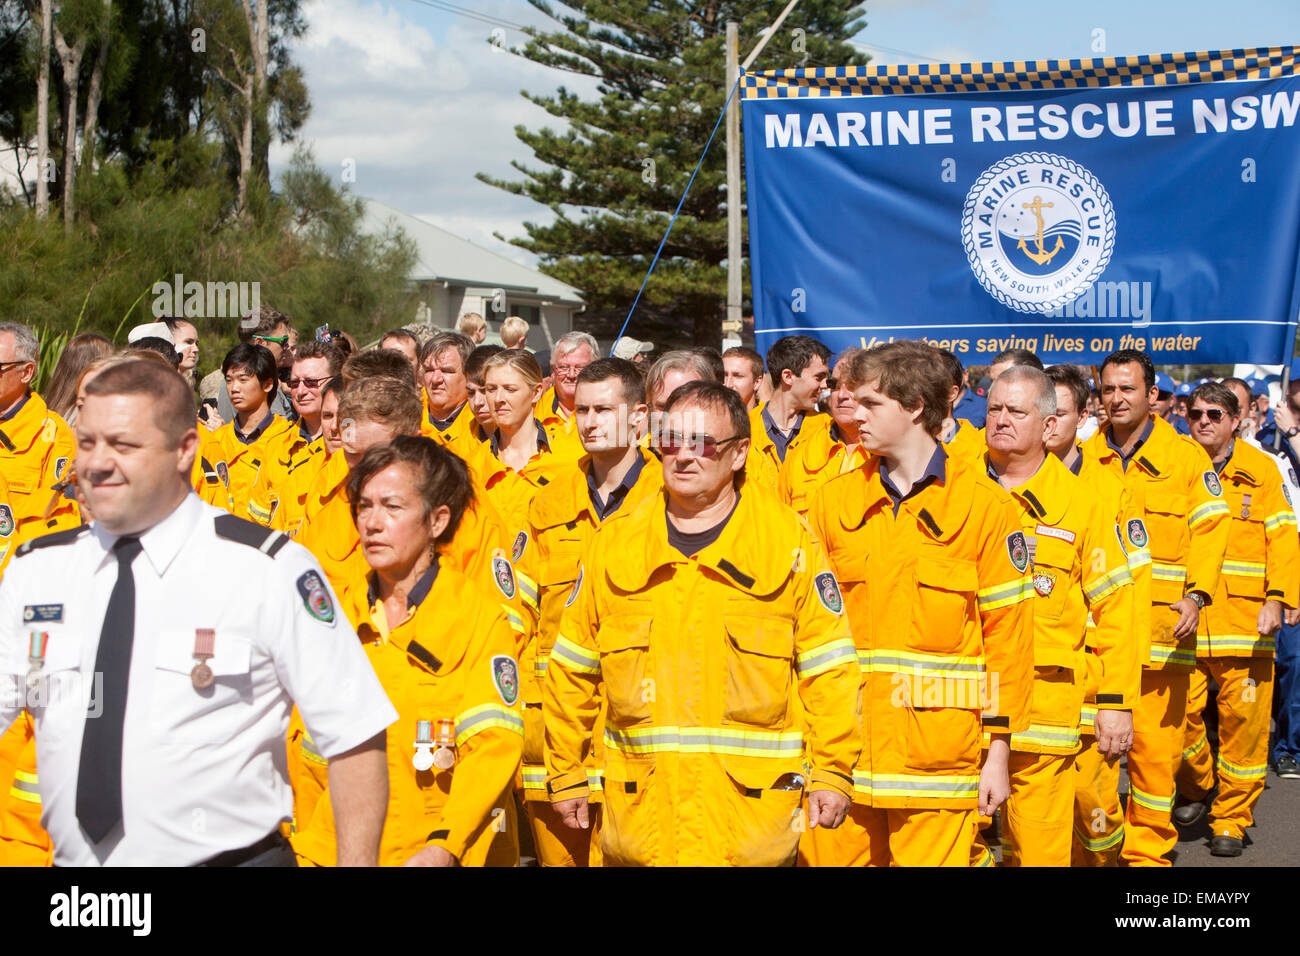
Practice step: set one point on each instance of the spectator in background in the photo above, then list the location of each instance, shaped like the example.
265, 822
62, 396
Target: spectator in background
1005, 360
404, 341
485, 420
345, 342
81, 350
153, 343
633, 350
670, 371
714, 358
471, 324
743, 368
185, 337
974, 408
514, 333
572, 353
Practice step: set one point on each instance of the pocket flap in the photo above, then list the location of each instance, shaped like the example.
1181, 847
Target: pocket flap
759, 636
232, 653
764, 773
621, 634
947, 574
1166, 501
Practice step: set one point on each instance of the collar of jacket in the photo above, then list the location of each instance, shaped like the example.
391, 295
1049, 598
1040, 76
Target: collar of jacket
28, 422
940, 509
1046, 495
1155, 457
565, 501
432, 634
756, 553
822, 443
1245, 468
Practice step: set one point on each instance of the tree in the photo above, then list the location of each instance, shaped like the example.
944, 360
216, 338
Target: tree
614, 176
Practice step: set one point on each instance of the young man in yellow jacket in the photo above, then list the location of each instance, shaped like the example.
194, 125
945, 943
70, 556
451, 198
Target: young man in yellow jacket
614, 476
1185, 524
935, 569
1080, 570
798, 370
1235, 637
717, 630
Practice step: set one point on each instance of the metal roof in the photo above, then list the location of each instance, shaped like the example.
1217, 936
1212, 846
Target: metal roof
444, 257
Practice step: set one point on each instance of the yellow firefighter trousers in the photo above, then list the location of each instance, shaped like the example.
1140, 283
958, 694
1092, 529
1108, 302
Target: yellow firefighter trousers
1158, 719
1098, 817
560, 845
872, 836
1245, 707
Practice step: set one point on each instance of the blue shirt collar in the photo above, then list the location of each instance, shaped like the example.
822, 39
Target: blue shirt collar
495, 441
619, 494
16, 409
779, 439
256, 433
934, 472
1125, 459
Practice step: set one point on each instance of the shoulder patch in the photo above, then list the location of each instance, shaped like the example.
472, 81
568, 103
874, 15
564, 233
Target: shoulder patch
1137, 533
828, 592
577, 586
66, 536
505, 677
234, 528
1018, 551
1285, 493
60, 466
504, 575
1212, 484
520, 545
315, 598
7, 520
223, 473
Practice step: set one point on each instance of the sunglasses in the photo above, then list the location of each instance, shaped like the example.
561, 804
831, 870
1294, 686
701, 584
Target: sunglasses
277, 339
6, 366
312, 383
702, 446
1213, 414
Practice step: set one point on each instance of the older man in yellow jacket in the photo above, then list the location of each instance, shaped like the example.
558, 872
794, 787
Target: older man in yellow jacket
717, 630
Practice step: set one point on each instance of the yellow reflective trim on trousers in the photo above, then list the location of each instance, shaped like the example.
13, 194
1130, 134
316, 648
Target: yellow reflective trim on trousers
309, 751
714, 740
1247, 645
825, 656
985, 860
1195, 748
1139, 558
1043, 735
1004, 595
575, 658
1240, 771
1245, 569
1273, 522
527, 589
1168, 572
1101, 843
1205, 512
939, 786
539, 666
478, 719
1164, 654
1151, 802
26, 787
912, 664
1104, 585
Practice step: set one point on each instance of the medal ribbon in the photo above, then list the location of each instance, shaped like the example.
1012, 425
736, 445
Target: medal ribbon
205, 639
39, 641
424, 732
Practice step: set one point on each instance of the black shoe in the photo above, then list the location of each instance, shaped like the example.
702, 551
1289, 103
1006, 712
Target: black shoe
1185, 814
1288, 767
1225, 846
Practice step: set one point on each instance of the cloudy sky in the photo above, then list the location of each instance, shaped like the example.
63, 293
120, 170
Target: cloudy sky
414, 94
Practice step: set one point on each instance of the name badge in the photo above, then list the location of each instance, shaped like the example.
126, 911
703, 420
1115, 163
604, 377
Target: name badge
43, 614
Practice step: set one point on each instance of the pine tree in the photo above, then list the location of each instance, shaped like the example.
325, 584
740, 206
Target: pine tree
614, 176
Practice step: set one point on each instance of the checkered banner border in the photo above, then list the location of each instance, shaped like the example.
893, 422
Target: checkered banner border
1158, 69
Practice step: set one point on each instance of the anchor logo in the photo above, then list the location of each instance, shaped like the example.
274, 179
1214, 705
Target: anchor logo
1042, 256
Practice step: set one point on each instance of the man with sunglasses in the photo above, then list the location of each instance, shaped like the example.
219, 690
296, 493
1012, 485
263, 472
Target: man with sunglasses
273, 331
283, 482
1184, 522
36, 448
709, 622
1236, 633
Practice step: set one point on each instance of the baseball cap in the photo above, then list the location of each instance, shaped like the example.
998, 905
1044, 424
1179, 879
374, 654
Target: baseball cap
1184, 389
629, 348
1164, 383
150, 330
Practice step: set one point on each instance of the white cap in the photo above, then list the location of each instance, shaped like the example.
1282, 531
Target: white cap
627, 348
156, 330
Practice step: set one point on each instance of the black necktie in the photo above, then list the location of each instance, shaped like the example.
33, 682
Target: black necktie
99, 780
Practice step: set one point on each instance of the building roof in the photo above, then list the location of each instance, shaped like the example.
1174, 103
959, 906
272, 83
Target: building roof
443, 257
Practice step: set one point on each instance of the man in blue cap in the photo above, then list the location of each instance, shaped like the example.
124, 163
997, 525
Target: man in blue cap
1179, 421
1163, 406
974, 408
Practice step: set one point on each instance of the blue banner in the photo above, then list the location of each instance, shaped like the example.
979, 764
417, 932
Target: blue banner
1070, 207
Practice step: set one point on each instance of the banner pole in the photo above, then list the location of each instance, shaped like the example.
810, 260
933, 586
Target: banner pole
1286, 381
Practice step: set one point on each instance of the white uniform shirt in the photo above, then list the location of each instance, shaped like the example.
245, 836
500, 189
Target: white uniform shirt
203, 771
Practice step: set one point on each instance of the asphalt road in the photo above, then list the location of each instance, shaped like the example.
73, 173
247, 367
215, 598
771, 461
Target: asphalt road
1274, 840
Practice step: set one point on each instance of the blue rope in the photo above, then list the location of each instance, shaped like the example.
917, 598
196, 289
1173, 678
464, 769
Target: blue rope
673, 221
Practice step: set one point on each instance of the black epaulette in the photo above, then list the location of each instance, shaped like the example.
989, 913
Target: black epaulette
209, 473
66, 536
234, 528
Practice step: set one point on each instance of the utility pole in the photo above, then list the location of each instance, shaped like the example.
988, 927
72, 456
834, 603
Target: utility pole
732, 323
